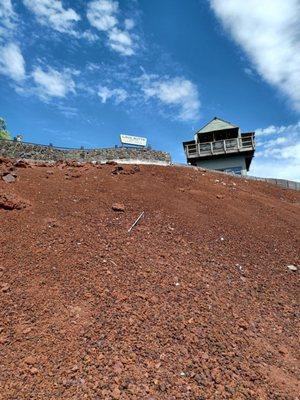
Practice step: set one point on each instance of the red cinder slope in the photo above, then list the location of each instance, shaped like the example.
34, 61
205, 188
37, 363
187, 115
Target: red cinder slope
197, 302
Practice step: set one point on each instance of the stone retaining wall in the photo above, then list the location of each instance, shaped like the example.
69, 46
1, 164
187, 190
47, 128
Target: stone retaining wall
284, 183
37, 152
279, 182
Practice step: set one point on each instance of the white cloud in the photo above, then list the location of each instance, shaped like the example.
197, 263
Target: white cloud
92, 67
118, 95
120, 41
249, 72
278, 152
89, 36
52, 83
275, 130
67, 111
269, 33
102, 15
175, 92
8, 19
129, 24
53, 14
12, 63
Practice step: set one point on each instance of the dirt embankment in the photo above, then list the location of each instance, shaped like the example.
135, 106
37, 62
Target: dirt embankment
197, 302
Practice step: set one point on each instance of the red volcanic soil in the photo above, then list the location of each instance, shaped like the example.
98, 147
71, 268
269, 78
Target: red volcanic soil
197, 302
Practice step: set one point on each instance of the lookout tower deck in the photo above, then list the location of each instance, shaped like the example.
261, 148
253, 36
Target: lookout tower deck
219, 145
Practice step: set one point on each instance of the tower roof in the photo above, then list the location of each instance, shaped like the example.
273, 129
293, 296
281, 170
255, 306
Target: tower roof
216, 124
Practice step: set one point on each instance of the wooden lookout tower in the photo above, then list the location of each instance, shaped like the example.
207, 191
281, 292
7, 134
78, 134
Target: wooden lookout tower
221, 146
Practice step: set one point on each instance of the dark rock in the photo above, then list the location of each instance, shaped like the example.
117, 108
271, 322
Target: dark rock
117, 170
136, 168
118, 207
12, 202
22, 164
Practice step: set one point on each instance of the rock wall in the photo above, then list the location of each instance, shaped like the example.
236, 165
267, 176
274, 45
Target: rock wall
37, 152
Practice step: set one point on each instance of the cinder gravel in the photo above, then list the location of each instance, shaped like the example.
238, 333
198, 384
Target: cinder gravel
196, 303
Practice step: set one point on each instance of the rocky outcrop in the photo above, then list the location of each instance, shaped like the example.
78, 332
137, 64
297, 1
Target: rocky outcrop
37, 152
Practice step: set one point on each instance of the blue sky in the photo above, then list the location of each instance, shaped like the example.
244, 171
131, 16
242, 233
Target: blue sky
81, 72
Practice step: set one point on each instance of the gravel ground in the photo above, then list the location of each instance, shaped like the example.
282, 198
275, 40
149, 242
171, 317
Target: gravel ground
197, 302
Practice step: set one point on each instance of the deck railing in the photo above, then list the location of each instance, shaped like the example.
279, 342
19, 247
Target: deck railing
244, 143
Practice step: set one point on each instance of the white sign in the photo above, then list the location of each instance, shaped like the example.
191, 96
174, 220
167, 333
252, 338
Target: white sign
134, 140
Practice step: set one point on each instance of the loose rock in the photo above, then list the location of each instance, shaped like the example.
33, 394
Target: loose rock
121, 316
22, 164
9, 178
117, 170
12, 202
5, 287
34, 371
118, 207
30, 360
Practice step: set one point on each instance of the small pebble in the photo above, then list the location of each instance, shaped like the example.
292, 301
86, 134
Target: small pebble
292, 268
34, 371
